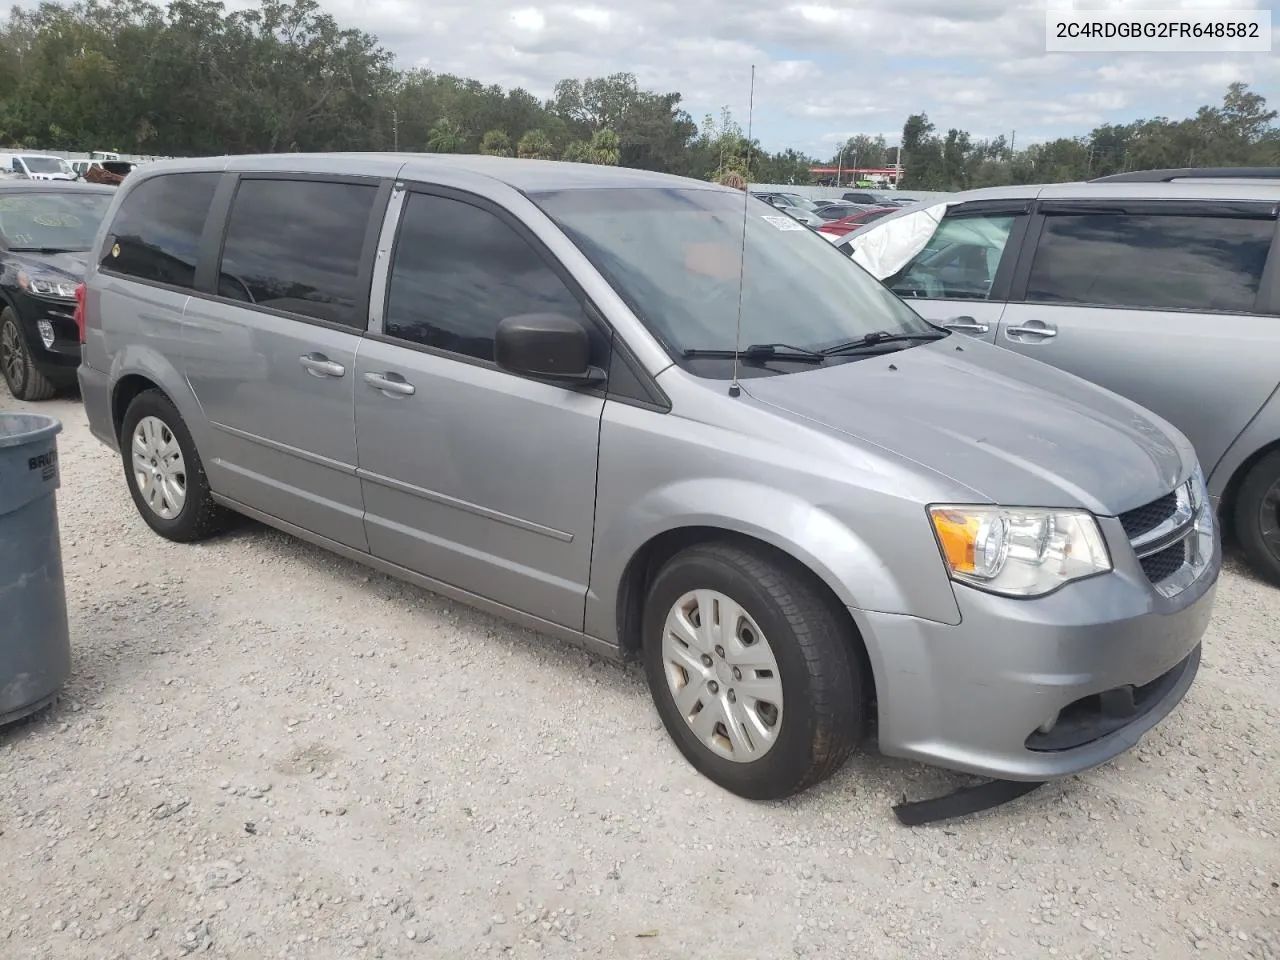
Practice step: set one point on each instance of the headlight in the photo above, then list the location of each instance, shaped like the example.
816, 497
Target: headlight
44, 286
1019, 552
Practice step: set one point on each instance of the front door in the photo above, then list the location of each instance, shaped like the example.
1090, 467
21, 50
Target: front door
473, 476
1158, 301
961, 277
272, 357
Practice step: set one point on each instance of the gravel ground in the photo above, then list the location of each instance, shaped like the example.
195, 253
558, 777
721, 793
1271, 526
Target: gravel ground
266, 751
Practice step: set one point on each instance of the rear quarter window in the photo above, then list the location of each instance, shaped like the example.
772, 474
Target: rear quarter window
155, 235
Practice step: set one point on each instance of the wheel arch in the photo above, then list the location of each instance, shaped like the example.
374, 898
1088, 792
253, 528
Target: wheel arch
136, 368
1260, 438
654, 553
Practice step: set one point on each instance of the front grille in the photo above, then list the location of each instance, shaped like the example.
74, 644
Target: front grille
1167, 537
1162, 565
1146, 518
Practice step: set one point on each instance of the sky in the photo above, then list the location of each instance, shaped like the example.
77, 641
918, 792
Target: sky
825, 69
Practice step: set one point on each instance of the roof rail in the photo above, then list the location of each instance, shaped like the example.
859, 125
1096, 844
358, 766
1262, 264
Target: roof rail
1192, 173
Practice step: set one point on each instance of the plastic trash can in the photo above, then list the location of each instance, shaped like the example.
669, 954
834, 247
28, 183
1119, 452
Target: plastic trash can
35, 639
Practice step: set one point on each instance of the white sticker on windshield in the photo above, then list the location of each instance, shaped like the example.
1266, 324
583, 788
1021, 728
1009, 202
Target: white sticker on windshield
784, 222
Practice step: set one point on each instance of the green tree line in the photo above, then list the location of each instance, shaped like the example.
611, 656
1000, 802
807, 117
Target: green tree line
1239, 132
192, 78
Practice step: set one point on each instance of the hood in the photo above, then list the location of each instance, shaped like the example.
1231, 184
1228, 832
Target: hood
1014, 431
70, 265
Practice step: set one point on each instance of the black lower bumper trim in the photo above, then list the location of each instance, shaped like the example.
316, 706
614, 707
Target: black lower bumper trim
962, 802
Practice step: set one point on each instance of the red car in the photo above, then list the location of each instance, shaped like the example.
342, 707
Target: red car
838, 228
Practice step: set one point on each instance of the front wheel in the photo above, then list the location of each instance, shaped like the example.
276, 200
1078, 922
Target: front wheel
752, 670
1257, 517
24, 379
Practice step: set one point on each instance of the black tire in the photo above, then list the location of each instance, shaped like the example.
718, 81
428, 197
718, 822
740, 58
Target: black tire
199, 517
1257, 517
823, 716
22, 377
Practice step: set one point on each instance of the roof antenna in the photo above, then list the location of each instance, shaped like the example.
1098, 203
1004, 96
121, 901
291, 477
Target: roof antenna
735, 389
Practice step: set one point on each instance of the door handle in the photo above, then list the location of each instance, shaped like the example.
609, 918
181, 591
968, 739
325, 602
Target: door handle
1032, 329
318, 365
391, 384
965, 325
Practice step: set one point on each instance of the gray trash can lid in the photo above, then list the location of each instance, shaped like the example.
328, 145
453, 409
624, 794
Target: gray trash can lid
17, 429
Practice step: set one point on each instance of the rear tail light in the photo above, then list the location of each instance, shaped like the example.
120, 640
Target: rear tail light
79, 312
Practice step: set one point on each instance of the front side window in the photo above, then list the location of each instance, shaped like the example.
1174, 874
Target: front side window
1152, 261
46, 165
959, 262
63, 222
296, 245
156, 232
458, 271
677, 256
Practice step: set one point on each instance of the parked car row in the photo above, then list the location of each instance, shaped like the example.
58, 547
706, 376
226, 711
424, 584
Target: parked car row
582, 398
1163, 286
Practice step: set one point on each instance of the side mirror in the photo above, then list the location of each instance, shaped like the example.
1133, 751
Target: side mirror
546, 346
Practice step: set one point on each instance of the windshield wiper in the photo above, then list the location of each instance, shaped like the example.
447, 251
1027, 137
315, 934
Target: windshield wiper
44, 250
764, 351
877, 337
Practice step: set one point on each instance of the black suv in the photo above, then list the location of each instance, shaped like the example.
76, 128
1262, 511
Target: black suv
46, 228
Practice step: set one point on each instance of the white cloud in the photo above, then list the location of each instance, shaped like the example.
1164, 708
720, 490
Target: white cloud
824, 68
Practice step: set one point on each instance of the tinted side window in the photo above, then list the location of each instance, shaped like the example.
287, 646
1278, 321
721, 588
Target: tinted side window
295, 245
1160, 262
156, 233
959, 262
458, 271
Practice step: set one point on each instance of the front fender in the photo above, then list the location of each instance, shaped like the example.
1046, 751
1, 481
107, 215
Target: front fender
812, 534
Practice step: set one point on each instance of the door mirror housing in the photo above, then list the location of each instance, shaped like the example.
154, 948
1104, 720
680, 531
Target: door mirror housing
546, 346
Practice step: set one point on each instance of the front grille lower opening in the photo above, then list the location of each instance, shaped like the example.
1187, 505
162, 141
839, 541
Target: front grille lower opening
1162, 565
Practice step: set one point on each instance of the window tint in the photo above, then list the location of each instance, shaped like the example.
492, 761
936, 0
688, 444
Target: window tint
458, 271
959, 262
295, 245
156, 233
1161, 262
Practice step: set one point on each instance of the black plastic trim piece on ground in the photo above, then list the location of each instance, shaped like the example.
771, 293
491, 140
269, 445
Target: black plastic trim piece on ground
962, 802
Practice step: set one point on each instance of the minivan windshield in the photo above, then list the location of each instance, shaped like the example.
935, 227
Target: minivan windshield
62, 221
46, 165
674, 254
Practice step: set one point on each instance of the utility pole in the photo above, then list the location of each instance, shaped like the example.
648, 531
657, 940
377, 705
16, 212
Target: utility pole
1013, 138
395, 130
840, 165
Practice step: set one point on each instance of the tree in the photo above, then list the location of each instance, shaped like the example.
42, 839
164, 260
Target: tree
496, 143
536, 145
445, 137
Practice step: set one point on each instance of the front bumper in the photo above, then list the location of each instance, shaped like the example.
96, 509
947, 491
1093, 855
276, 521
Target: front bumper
971, 697
58, 362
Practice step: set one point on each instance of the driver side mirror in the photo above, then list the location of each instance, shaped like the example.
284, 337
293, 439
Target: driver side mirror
546, 346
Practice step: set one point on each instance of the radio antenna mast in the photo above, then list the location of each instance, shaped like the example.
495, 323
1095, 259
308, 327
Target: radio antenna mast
734, 387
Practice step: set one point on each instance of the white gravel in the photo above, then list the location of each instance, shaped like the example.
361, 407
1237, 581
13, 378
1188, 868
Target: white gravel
266, 751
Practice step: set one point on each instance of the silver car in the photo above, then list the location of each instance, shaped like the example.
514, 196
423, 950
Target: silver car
1162, 285
515, 383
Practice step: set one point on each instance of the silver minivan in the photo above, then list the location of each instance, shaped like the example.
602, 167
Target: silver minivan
518, 384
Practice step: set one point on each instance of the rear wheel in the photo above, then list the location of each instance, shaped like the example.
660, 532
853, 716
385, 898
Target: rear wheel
752, 670
22, 377
1257, 517
165, 474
